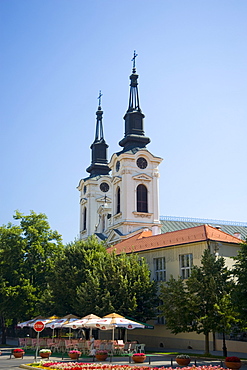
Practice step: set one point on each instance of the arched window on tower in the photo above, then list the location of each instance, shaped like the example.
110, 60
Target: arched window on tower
118, 200
84, 218
142, 198
103, 223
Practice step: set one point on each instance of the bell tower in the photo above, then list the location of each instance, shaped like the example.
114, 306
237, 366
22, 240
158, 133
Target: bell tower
116, 206
95, 190
135, 199
134, 131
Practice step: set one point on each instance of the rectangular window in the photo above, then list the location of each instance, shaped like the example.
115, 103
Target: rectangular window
160, 269
160, 319
186, 262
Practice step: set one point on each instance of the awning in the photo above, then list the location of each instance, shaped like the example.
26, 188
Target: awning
147, 326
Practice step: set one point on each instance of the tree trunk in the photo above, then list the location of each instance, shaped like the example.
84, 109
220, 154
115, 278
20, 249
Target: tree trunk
214, 342
224, 345
4, 330
207, 344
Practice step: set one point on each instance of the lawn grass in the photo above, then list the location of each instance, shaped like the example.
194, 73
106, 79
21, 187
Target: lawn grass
197, 355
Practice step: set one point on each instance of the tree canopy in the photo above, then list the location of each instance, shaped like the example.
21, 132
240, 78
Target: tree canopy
88, 279
27, 253
240, 289
194, 304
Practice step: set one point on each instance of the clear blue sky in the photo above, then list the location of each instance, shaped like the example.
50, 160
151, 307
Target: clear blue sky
55, 57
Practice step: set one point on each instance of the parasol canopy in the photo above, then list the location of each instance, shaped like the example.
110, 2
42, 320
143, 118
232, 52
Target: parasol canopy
61, 322
114, 320
30, 323
88, 321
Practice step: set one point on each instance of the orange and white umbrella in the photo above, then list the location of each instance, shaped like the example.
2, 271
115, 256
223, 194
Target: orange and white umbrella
115, 320
88, 321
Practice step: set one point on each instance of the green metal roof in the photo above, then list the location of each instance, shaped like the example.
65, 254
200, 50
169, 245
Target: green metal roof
170, 223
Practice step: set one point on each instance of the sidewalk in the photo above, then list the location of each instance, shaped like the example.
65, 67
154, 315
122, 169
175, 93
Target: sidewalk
155, 361
152, 360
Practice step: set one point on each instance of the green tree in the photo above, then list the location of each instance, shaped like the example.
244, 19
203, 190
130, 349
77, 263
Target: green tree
176, 306
205, 288
240, 290
88, 279
27, 254
226, 317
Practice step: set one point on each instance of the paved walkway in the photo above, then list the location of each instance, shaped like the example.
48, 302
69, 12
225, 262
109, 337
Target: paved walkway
154, 360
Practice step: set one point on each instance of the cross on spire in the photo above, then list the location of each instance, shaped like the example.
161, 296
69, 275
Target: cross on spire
99, 97
134, 61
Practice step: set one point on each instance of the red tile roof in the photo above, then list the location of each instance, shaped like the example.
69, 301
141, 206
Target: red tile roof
146, 241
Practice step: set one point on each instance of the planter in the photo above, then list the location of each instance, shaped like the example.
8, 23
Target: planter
233, 365
45, 354
74, 356
18, 354
183, 361
101, 357
138, 359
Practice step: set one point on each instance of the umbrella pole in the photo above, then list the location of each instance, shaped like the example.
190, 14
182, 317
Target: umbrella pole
113, 334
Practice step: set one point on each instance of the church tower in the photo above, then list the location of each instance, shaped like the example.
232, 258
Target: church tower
95, 190
135, 199
118, 206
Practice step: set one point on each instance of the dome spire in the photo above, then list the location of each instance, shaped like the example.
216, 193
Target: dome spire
134, 132
134, 97
99, 135
99, 164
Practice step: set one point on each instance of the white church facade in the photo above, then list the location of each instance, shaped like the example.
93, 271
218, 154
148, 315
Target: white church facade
120, 198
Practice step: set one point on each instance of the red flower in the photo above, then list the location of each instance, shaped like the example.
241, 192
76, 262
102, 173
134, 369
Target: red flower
232, 359
17, 350
138, 354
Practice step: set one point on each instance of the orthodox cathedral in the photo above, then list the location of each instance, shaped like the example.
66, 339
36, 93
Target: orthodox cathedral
120, 198
119, 203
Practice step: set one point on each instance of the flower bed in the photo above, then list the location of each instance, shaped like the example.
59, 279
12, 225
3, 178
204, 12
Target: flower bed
91, 366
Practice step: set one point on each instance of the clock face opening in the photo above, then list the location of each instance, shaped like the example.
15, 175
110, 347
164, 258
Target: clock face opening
104, 187
141, 163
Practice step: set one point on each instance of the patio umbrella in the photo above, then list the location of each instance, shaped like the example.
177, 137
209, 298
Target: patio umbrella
115, 320
30, 323
61, 322
88, 321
